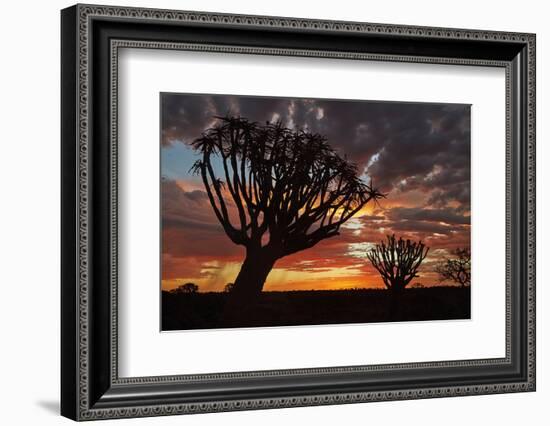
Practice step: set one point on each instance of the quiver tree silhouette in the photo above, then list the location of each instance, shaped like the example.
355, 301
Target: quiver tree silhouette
289, 190
457, 269
397, 261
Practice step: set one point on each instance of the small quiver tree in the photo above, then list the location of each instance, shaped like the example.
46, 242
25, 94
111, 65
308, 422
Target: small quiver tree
458, 268
397, 261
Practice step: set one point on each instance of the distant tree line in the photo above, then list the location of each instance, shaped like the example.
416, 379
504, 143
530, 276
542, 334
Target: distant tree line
187, 288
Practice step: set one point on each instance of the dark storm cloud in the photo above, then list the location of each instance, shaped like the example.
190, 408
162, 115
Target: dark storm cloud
458, 192
420, 226
446, 215
401, 146
443, 221
182, 119
420, 137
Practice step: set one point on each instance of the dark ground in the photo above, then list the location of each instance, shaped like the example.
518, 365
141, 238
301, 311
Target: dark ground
206, 310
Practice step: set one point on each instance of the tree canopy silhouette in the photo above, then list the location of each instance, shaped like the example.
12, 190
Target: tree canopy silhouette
457, 269
275, 191
186, 288
397, 261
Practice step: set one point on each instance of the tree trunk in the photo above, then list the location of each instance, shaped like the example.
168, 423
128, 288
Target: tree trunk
248, 285
254, 271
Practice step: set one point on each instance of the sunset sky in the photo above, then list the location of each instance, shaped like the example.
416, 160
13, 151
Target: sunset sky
417, 153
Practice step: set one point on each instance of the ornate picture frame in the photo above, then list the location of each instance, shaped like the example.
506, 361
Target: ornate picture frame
91, 37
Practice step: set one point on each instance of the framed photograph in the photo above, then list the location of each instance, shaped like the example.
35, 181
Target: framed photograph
263, 212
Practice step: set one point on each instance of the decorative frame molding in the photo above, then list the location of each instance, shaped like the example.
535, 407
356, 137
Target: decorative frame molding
91, 37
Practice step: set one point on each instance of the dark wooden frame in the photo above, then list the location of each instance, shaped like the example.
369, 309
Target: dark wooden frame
90, 386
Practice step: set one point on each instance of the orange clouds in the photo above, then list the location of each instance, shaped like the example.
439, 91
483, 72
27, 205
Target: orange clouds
195, 248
